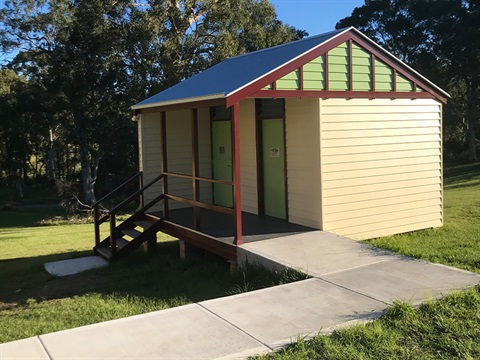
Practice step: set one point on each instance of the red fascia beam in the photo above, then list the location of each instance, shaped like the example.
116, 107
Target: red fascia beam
248, 90
341, 94
300, 78
394, 80
372, 66
326, 76
350, 65
237, 191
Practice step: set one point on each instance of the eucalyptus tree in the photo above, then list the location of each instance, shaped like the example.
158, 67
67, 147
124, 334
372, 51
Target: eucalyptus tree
95, 58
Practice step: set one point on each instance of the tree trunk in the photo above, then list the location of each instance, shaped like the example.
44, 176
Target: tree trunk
51, 155
88, 180
472, 148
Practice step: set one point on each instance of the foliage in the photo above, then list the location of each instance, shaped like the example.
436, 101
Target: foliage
440, 39
89, 60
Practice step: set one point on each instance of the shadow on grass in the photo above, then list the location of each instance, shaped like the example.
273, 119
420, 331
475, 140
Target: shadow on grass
458, 176
161, 275
27, 216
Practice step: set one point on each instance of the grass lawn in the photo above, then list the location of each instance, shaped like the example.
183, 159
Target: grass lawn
448, 328
32, 302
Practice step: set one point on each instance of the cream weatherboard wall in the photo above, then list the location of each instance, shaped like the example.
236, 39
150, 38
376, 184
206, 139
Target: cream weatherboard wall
248, 156
381, 166
302, 133
179, 151
179, 154
150, 153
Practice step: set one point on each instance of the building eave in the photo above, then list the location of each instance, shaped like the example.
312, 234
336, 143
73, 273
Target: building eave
160, 104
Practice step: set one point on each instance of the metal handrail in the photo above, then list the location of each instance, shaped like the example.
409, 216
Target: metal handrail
134, 195
118, 188
190, 177
112, 212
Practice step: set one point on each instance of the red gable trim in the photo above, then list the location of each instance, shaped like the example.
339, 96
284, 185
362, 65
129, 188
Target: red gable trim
256, 86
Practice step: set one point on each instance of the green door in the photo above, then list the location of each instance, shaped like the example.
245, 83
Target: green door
222, 162
273, 152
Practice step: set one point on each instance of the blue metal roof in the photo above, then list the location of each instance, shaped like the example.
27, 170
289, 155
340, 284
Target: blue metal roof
234, 73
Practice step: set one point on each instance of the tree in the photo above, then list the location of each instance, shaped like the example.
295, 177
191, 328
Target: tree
93, 59
441, 39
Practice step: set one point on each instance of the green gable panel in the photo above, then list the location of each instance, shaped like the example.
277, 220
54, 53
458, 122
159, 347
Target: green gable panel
404, 84
290, 81
338, 64
383, 76
361, 69
314, 74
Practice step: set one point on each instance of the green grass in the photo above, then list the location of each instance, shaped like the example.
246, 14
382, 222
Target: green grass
448, 328
32, 302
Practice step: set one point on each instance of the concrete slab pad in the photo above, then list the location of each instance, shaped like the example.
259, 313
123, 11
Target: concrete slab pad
315, 253
279, 315
75, 266
404, 279
185, 332
30, 349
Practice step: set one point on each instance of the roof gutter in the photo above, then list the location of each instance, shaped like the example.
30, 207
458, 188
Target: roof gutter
178, 101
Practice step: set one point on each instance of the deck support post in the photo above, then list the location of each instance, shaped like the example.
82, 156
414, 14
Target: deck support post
195, 170
233, 265
237, 191
182, 249
164, 165
150, 245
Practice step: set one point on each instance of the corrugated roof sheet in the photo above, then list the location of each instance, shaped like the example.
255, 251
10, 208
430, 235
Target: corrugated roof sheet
234, 73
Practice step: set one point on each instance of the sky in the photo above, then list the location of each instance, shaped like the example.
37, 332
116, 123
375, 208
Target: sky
314, 16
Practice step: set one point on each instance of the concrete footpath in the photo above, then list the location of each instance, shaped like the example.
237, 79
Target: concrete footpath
351, 282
